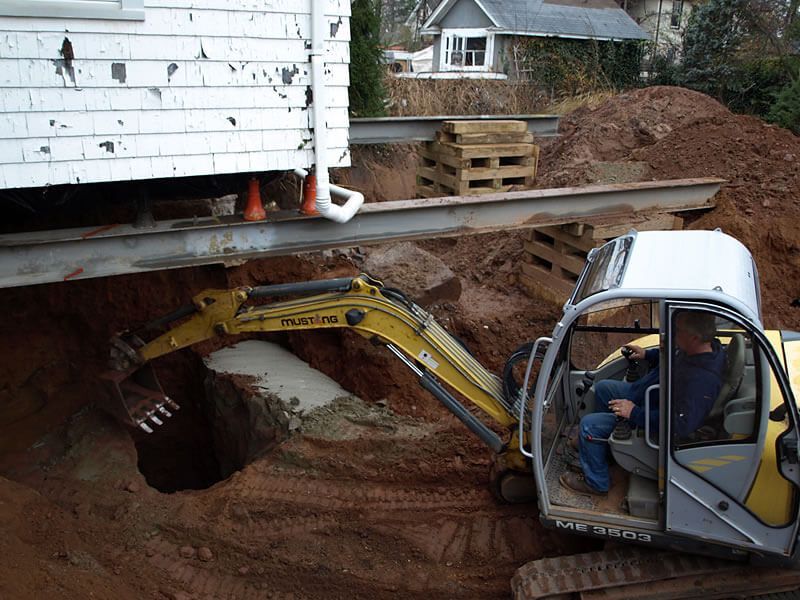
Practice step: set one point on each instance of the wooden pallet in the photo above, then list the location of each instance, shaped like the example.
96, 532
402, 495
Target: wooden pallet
554, 256
477, 157
461, 169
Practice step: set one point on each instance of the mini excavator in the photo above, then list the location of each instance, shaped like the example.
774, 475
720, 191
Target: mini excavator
725, 500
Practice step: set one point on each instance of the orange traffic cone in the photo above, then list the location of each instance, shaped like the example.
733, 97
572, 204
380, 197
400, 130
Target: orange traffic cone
254, 211
309, 206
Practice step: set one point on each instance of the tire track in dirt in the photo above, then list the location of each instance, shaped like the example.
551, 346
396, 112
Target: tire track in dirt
261, 487
457, 530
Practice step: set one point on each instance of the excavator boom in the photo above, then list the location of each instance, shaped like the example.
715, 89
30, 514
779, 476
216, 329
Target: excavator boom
362, 304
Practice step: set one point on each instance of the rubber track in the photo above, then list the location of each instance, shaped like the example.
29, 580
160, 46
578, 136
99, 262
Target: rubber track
632, 573
612, 568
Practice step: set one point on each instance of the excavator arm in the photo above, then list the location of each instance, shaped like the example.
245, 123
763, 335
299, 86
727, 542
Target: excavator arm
383, 315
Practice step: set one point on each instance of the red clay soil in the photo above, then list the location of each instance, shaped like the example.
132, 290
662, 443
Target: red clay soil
678, 133
379, 515
373, 517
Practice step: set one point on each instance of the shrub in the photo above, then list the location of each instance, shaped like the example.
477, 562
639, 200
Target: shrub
786, 110
366, 68
569, 67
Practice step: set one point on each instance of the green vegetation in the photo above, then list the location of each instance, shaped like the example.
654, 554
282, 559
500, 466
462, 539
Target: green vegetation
746, 54
569, 67
786, 109
366, 68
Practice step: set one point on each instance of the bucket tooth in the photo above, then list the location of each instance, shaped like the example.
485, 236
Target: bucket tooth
137, 398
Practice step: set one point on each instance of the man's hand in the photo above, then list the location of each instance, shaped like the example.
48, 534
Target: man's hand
621, 408
637, 352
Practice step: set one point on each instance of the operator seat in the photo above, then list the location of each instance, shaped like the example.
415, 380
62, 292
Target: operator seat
731, 376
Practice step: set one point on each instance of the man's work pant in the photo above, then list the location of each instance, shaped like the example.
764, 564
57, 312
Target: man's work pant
595, 428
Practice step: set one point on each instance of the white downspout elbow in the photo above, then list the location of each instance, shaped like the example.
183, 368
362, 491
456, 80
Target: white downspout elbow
354, 200
340, 214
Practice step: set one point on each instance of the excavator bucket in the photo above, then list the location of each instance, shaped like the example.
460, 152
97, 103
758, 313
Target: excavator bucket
137, 398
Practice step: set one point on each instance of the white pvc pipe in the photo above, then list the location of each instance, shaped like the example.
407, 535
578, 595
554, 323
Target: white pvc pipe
354, 200
340, 214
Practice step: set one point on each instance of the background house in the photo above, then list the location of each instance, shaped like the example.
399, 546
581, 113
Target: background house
115, 90
474, 37
664, 20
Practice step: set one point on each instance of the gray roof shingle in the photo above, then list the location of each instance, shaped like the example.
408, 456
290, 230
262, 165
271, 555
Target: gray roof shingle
568, 18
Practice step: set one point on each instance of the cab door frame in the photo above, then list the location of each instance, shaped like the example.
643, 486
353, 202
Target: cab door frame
696, 508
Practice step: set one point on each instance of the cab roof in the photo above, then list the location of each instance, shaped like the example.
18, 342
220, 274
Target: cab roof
702, 265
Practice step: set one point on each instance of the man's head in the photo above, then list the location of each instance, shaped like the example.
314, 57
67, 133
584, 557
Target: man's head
694, 331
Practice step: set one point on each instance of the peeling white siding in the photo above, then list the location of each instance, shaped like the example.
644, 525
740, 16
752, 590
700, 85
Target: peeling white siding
199, 87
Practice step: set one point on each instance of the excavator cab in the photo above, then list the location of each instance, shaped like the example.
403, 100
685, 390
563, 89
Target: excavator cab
729, 488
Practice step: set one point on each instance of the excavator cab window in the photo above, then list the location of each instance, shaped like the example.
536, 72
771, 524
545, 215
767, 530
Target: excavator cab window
733, 414
600, 332
727, 456
605, 268
597, 338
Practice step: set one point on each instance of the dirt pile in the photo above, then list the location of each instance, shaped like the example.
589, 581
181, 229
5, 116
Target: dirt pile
611, 130
677, 133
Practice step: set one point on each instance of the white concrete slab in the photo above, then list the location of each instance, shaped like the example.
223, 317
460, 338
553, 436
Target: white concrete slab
278, 372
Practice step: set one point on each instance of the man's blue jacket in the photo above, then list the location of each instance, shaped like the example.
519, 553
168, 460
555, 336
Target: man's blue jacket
695, 386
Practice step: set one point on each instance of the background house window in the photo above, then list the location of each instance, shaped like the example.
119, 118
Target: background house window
75, 9
466, 50
677, 12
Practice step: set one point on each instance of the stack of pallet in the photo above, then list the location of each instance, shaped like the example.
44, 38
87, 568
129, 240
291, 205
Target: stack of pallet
477, 157
554, 256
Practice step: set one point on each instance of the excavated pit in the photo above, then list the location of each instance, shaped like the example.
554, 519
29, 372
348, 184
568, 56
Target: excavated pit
181, 455
242, 402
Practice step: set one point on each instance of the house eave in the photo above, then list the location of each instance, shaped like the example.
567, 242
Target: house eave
572, 36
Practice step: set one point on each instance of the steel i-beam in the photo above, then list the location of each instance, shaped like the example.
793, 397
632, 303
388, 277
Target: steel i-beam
81, 253
388, 130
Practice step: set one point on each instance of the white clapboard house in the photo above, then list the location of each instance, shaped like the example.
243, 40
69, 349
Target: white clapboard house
120, 90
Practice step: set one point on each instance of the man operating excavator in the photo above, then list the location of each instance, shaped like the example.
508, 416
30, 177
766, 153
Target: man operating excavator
697, 377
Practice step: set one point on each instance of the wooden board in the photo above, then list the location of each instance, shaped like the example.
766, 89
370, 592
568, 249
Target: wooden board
544, 285
446, 159
525, 168
474, 181
481, 150
570, 262
658, 221
445, 184
484, 126
483, 138
583, 243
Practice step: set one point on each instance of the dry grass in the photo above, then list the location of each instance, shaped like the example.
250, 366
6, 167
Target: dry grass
567, 105
427, 97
